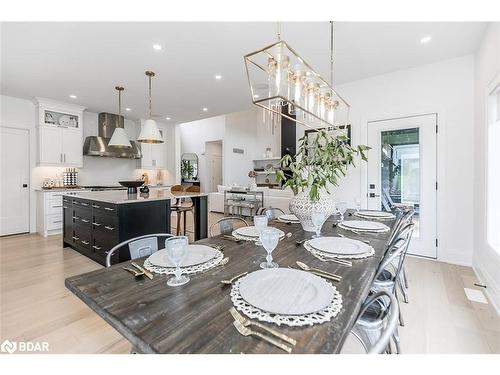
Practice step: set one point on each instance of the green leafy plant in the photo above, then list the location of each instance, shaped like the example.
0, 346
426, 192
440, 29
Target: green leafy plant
187, 169
321, 160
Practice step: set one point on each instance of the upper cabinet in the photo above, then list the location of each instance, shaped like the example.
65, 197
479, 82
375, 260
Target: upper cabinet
60, 133
154, 155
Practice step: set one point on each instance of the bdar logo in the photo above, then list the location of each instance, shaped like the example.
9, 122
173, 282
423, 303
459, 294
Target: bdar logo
8, 346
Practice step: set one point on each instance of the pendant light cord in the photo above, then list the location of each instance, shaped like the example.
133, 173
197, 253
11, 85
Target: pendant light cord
278, 29
150, 112
331, 53
119, 102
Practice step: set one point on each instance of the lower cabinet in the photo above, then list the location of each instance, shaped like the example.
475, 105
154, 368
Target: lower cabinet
93, 228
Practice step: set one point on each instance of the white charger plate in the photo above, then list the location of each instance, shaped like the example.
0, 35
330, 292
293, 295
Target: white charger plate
371, 226
289, 218
376, 214
195, 254
252, 232
339, 245
286, 291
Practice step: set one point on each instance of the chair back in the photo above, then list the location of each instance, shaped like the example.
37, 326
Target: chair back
193, 189
272, 212
403, 217
226, 225
138, 247
390, 315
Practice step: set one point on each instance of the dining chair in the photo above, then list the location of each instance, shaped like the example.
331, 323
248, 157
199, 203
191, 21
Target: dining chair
226, 225
375, 326
138, 247
272, 212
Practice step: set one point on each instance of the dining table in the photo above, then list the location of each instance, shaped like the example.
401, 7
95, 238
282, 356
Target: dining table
195, 317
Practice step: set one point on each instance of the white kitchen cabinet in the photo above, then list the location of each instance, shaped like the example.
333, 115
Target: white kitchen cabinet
60, 135
154, 155
49, 212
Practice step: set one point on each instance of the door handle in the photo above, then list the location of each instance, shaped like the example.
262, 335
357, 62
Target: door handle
25, 185
373, 195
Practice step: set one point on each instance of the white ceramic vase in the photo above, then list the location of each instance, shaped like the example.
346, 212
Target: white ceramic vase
302, 207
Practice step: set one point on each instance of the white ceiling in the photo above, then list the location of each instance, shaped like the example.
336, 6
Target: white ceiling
55, 60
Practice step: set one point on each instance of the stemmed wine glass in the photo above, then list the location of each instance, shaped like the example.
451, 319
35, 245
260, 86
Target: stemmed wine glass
176, 252
357, 201
269, 238
342, 208
260, 223
318, 218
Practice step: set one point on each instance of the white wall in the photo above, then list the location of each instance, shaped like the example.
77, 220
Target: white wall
486, 261
445, 88
244, 130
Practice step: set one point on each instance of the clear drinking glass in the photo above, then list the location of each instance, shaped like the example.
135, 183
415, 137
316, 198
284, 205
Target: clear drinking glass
176, 252
318, 219
342, 208
357, 201
260, 223
269, 238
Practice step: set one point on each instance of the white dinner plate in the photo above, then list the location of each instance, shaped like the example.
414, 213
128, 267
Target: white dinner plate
195, 254
286, 291
252, 232
376, 214
289, 218
339, 245
362, 225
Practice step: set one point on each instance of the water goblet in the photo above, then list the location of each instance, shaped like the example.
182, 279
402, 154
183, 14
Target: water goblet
269, 238
176, 252
357, 201
342, 208
318, 219
260, 223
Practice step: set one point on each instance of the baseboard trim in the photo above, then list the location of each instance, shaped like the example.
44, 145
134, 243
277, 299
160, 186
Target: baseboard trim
491, 291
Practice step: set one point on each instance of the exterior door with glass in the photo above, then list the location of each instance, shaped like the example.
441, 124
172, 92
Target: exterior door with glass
402, 171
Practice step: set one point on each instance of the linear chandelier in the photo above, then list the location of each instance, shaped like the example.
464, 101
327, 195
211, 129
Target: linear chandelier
282, 82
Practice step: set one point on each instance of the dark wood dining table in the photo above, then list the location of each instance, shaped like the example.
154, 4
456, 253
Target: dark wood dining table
195, 318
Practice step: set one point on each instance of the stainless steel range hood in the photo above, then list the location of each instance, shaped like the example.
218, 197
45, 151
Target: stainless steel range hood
98, 145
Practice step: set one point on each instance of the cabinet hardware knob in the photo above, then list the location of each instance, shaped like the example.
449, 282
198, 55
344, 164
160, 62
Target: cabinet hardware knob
109, 228
56, 206
96, 206
97, 247
57, 221
65, 206
97, 224
75, 238
85, 220
85, 242
109, 209
84, 204
75, 217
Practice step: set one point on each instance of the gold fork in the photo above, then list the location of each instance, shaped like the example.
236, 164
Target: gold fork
248, 332
247, 322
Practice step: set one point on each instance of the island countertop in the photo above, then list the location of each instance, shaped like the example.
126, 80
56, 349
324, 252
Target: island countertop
121, 196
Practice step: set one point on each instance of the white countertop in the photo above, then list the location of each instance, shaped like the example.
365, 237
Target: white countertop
121, 196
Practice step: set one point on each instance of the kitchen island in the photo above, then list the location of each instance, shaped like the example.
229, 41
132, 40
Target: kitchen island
94, 222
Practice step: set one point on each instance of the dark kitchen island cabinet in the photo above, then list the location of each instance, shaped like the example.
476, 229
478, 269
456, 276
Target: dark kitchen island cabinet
94, 222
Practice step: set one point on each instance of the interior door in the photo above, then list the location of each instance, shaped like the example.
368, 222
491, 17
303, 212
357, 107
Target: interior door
402, 171
214, 165
15, 177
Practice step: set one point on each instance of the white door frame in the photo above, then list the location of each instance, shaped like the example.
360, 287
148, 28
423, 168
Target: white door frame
440, 146
30, 167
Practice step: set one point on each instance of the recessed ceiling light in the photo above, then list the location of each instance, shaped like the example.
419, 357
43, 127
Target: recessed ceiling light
425, 39
128, 109
205, 109
72, 96
218, 77
157, 47
168, 118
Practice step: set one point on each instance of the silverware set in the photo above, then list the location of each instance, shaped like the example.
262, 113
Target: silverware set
233, 279
318, 272
138, 271
242, 324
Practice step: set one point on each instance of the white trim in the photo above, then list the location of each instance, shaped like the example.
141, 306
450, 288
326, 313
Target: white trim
492, 291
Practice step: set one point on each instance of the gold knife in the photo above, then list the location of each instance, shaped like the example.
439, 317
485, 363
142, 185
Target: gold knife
146, 272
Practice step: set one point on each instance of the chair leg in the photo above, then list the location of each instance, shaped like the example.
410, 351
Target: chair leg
405, 278
178, 230
397, 341
401, 320
184, 222
402, 287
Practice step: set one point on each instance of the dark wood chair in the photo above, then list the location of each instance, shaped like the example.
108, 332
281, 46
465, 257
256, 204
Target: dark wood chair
183, 206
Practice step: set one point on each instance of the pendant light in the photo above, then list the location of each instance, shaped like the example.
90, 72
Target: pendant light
150, 132
119, 138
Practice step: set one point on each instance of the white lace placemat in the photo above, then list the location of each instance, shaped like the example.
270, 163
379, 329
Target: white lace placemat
318, 317
363, 231
186, 270
325, 256
374, 217
254, 239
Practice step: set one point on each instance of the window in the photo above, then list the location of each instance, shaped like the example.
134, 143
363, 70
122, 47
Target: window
493, 172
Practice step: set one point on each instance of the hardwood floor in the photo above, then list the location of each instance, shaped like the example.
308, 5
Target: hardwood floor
35, 305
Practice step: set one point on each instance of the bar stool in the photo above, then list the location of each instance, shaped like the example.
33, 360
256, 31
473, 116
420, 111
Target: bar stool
177, 207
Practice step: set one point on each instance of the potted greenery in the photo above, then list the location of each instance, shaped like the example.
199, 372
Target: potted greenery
187, 169
320, 162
